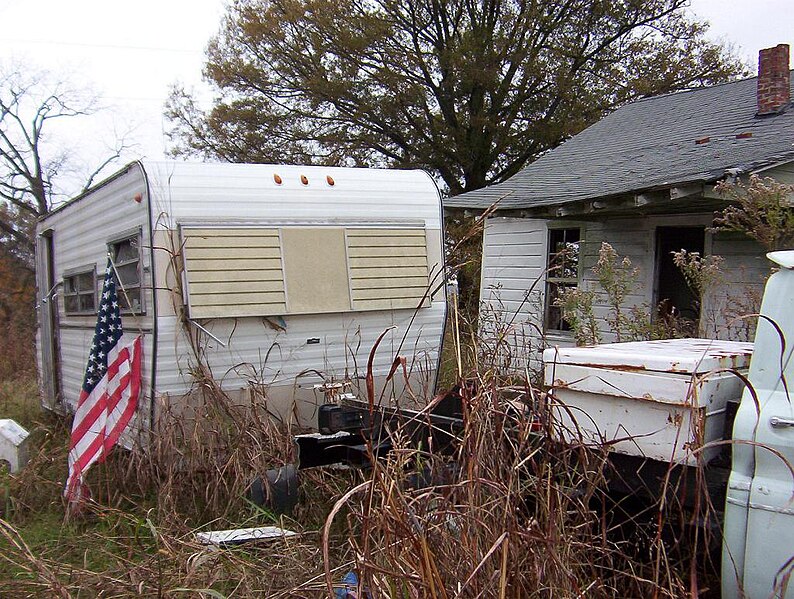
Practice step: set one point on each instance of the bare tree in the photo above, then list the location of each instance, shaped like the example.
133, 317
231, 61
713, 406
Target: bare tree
31, 160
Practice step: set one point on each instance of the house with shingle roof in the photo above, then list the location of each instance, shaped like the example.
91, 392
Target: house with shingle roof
641, 179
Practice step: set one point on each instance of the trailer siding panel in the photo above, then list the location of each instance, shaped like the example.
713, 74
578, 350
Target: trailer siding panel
388, 217
81, 234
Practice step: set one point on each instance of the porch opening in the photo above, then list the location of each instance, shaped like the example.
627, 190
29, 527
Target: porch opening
673, 297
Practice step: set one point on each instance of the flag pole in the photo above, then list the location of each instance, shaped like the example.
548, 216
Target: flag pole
126, 295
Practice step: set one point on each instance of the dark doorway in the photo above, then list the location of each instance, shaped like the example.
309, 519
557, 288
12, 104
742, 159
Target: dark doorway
673, 295
48, 323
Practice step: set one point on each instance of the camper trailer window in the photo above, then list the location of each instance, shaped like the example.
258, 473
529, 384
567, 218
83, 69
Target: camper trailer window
79, 296
126, 259
563, 273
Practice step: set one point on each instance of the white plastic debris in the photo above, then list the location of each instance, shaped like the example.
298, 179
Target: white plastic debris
243, 535
13, 444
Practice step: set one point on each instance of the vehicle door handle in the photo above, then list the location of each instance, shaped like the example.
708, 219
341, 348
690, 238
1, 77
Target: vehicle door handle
778, 422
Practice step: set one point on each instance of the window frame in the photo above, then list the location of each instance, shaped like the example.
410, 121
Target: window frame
76, 273
553, 281
135, 237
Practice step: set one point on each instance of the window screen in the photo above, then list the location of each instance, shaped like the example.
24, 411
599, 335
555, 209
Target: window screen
79, 292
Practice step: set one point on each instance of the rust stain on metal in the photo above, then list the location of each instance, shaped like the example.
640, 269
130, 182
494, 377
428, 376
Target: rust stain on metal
623, 367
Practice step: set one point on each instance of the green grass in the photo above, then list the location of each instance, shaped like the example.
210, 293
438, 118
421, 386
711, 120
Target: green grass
19, 400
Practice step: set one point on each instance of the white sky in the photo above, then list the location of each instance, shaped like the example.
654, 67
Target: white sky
129, 54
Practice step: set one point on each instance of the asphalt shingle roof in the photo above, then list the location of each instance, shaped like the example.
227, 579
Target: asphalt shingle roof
650, 143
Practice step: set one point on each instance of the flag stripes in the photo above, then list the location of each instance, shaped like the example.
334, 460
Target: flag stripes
110, 391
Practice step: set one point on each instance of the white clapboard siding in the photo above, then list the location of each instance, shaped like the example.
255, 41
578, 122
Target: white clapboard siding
511, 288
388, 268
233, 271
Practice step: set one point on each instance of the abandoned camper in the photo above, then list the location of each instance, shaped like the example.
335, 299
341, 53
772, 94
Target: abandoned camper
274, 280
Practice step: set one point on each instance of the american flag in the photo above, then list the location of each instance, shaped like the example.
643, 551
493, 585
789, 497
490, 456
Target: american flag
110, 391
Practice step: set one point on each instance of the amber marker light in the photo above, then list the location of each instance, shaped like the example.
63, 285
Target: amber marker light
330, 180
304, 179
277, 179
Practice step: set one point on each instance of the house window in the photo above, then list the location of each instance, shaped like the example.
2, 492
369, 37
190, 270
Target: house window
126, 257
562, 261
79, 295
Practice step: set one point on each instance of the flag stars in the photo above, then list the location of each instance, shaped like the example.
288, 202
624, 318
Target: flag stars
107, 333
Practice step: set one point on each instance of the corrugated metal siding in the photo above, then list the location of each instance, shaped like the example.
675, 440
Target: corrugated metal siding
81, 233
246, 195
255, 352
233, 272
191, 192
388, 268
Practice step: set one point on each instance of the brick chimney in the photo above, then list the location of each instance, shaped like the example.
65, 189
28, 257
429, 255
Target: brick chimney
774, 80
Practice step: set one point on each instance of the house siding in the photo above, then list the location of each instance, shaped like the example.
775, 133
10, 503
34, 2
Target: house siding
511, 289
783, 173
514, 255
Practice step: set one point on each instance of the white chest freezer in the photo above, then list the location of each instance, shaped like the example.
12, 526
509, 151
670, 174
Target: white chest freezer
655, 399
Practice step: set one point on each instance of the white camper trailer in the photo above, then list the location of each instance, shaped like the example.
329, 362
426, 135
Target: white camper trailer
273, 279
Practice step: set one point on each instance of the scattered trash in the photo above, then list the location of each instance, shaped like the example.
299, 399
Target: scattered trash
237, 536
350, 589
13, 444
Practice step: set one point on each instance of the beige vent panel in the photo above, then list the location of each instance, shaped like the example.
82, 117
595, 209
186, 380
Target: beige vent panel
234, 272
315, 269
388, 268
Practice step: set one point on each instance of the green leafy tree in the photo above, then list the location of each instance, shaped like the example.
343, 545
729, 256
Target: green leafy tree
470, 90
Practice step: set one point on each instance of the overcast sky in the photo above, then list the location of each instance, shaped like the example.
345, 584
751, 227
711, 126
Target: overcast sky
131, 53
